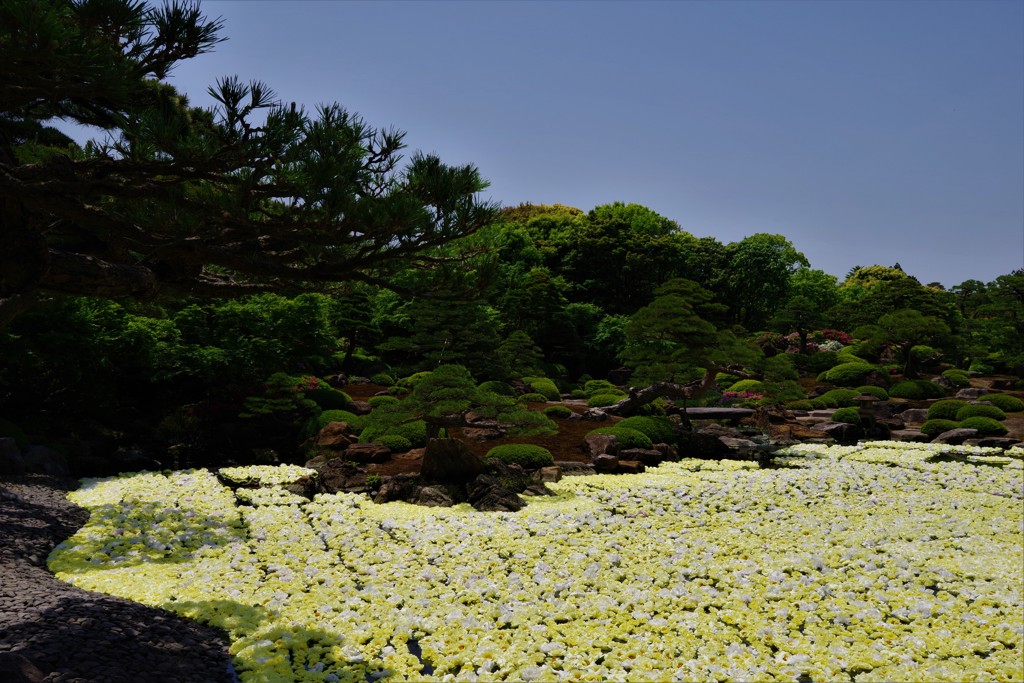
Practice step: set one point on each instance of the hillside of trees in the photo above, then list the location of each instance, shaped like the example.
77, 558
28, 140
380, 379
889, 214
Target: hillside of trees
175, 285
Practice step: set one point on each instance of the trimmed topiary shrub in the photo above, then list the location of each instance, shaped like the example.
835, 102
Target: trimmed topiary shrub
839, 398
527, 456
628, 438
559, 412
724, 379
959, 378
657, 429
328, 398
750, 386
599, 386
499, 388
800, 405
817, 404
532, 398
849, 374
877, 392
396, 443
382, 378
415, 432
980, 410
850, 415
1005, 402
945, 409
378, 401
916, 390
315, 424
986, 426
412, 380
543, 385
602, 400
935, 427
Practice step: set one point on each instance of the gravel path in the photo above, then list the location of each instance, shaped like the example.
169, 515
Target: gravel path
52, 631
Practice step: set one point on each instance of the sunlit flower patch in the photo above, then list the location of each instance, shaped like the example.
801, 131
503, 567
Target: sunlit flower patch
877, 562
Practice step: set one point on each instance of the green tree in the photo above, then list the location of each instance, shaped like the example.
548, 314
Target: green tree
252, 195
519, 356
759, 273
908, 328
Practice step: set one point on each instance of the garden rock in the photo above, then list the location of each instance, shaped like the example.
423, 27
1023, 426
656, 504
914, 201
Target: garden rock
487, 494
844, 432
606, 463
11, 461
335, 436
707, 446
571, 468
360, 407
648, 456
44, 460
600, 444
955, 437
993, 442
367, 452
431, 496
550, 474
668, 451
336, 475
911, 435
631, 467
394, 488
595, 415
307, 487
448, 460
737, 444
482, 433
914, 415
969, 393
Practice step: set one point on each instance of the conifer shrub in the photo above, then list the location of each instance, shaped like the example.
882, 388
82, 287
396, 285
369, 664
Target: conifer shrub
916, 390
527, 456
558, 412
415, 431
382, 379
959, 378
657, 429
724, 379
871, 390
543, 385
802, 404
986, 426
839, 398
980, 410
412, 380
532, 398
945, 409
748, 386
383, 400
1005, 402
935, 427
848, 374
599, 386
602, 400
396, 443
499, 388
329, 398
850, 415
628, 438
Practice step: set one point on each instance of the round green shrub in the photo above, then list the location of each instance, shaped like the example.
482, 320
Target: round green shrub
412, 380
818, 404
602, 400
840, 398
877, 392
315, 424
724, 379
396, 443
848, 374
945, 409
328, 398
916, 390
499, 388
751, 386
578, 393
384, 400
599, 386
415, 432
819, 362
559, 412
786, 390
543, 385
959, 378
1005, 402
800, 405
398, 390
628, 438
528, 456
982, 368
986, 426
850, 415
532, 398
935, 427
382, 379
657, 429
980, 410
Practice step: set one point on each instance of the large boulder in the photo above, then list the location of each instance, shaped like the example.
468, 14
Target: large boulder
606, 463
914, 416
450, 461
971, 393
335, 436
601, 444
648, 456
843, 432
337, 474
955, 437
487, 493
431, 495
367, 452
707, 446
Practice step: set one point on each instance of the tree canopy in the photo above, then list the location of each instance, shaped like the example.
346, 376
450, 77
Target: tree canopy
252, 195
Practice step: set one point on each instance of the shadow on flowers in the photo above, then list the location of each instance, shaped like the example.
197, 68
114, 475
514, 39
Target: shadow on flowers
130, 534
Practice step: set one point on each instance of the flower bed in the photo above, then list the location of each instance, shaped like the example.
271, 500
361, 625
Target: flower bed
879, 562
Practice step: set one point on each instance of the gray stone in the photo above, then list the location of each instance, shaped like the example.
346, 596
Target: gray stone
969, 393
360, 407
914, 415
840, 431
631, 467
668, 451
367, 452
737, 444
993, 442
912, 435
482, 433
571, 468
955, 437
449, 460
550, 474
600, 444
432, 495
648, 456
606, 463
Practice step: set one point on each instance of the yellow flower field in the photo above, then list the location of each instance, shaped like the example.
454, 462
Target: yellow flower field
878, 562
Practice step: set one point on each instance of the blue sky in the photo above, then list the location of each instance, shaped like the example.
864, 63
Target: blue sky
866, 131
